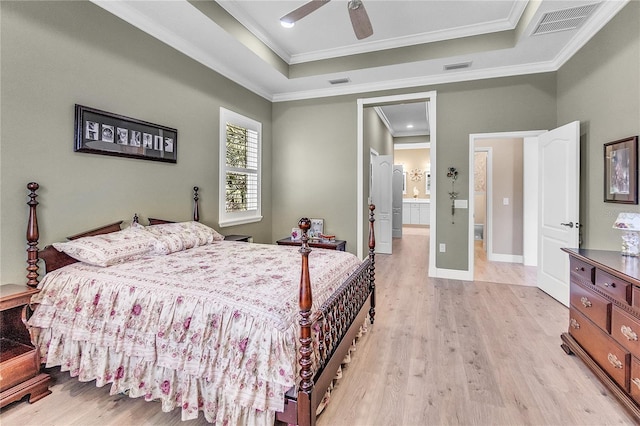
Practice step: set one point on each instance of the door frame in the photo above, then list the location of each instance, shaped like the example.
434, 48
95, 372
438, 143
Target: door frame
360, 166
472, 142
488, 211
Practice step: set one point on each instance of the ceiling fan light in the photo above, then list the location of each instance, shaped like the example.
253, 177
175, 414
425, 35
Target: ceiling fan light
287, 24
354, 4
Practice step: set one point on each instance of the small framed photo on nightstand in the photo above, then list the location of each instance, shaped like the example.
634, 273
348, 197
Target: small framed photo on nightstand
317, 228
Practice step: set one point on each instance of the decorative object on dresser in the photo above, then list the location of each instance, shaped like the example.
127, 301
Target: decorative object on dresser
604, 320
101, 132
339, 245
19, 361
621, 171
629, 223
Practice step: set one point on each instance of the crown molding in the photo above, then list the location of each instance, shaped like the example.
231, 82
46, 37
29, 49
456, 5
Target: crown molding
138, 18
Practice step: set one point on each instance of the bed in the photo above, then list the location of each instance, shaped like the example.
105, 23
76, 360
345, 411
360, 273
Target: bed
246, 333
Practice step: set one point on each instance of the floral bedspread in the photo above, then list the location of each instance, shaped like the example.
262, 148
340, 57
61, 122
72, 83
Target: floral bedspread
213, 328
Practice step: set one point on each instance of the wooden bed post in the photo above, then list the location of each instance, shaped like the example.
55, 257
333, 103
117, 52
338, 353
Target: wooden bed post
196, 208
33, 234
305, 414
372, 267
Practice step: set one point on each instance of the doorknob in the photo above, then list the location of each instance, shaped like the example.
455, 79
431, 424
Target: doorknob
570, 224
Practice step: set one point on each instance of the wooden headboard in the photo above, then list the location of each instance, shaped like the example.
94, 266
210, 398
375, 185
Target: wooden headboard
54, 259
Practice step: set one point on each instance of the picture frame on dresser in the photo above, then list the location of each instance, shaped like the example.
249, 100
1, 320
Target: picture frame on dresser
106, 133
621, 171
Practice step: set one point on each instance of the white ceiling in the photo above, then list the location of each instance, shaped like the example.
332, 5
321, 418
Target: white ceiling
412, 41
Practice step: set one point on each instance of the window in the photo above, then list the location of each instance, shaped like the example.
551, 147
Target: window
240, 160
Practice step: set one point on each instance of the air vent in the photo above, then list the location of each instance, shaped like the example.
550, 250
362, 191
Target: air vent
458, 66
340, 81
563, 20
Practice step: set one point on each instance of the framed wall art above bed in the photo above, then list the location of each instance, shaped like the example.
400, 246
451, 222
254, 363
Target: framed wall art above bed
101, 132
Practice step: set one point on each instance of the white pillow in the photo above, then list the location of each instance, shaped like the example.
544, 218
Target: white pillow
109, 249
173, 237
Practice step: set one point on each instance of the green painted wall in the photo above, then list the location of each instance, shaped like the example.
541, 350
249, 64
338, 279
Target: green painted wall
600, 86
57, 54
314, 166
495, 105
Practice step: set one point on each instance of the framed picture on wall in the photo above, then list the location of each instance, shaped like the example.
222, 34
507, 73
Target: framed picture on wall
621, 171
106, 133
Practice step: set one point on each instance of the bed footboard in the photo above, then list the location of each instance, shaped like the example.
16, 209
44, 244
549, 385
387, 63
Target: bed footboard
337, 324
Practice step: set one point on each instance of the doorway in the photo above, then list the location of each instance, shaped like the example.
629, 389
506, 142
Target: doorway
505, 178
363, 159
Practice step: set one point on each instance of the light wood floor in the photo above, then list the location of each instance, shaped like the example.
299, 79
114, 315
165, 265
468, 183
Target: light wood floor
441, 352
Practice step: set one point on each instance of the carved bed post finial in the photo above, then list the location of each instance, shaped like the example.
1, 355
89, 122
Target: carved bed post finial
196, 208
33, 234
372, 267
305, 301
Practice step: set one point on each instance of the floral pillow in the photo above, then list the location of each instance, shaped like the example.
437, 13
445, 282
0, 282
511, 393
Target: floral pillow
109, 249
173, 237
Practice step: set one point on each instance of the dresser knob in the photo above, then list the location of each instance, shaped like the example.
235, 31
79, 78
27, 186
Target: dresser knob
573, 323
629, 333
579, 268
585, 302
612, 285
614, 361
636, 381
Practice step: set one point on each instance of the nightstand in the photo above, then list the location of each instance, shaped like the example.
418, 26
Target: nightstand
340, 245
244, 238
19, 361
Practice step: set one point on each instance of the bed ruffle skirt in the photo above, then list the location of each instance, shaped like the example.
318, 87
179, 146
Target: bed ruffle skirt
173, 388
346, 360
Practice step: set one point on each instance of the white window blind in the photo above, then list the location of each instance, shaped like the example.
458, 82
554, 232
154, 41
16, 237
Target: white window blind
240, 159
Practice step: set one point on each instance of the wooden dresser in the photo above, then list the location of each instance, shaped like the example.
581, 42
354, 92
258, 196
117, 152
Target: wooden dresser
604, 320
19, 362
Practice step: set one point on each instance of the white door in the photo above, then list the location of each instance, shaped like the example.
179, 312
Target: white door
398, 181
559, 185
381, 195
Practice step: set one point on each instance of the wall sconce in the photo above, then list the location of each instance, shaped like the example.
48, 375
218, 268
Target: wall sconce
452, 173
630, 224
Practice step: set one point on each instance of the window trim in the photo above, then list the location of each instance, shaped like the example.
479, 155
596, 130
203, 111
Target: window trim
237, 218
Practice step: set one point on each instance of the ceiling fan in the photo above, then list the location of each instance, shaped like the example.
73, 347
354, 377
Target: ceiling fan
359, 18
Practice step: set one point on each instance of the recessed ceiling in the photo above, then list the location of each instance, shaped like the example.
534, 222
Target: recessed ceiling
414, 43
405, 119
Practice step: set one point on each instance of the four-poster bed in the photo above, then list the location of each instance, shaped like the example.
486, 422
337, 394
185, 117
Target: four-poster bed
329, 308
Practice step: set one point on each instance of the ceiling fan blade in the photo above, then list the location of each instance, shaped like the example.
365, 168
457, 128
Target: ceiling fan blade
359, 19
303, 10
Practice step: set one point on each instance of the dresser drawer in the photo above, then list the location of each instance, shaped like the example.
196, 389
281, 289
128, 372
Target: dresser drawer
636, 297
634, 385
625, 329
617, 288
582, 272
613, 358
593, 306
